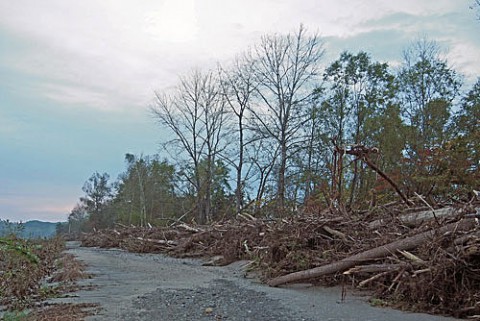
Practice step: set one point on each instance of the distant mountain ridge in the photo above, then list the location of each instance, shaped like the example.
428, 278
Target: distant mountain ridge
31, 229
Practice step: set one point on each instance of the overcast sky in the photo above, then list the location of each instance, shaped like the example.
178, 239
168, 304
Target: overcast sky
77, 77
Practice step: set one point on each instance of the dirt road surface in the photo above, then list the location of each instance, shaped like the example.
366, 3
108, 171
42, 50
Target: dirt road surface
154, 287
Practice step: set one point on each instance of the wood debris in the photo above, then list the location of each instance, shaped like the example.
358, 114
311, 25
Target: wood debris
407, 255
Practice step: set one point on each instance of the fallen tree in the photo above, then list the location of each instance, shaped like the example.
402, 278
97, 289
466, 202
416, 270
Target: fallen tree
416, 218
375, 253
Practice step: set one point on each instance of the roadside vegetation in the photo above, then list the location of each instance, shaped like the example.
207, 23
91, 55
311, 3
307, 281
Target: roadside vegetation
35, 270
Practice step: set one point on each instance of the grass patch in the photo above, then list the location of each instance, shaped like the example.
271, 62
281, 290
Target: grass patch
15, 316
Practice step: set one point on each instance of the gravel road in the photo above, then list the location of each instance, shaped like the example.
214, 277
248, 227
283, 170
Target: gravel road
154, 287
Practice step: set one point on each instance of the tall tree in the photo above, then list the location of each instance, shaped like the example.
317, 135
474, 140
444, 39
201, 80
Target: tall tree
286, 69
195, 114
161, 193
138, 168
309, 160
98, 193
77, 221
145, 190
464, 148
219, 187
238, 87
428, 86
359, 89
263, 155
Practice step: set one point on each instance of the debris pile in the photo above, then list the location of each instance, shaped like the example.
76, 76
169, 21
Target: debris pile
413, 257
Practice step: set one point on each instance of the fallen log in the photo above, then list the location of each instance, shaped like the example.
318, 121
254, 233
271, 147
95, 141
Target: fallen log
335, 233
375, 268
419, 217
190, 228
375, 253
373, 278
162, 242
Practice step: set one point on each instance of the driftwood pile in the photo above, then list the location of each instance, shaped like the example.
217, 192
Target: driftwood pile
417, 258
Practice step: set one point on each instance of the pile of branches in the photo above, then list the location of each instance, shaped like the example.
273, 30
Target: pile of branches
410, 261
411, 256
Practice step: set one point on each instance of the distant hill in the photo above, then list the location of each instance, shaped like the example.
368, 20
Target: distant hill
31, 229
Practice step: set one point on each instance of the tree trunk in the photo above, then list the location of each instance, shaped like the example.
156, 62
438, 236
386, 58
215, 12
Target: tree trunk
239, 189
354, 183
375, 253
281, 178
208, 190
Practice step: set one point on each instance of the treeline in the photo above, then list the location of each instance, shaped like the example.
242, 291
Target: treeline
276, 131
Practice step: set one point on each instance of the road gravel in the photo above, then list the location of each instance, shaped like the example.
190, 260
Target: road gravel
153, 287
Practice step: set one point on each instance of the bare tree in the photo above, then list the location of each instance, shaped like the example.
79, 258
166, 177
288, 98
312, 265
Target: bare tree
263, 157
286, 68
238, 87
195, 114
309, 159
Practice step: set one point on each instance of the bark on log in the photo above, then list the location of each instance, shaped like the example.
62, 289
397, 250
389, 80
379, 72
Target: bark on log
335, 233
163, 242
190, 228
375, 253
375, 268
373, 278
419, 217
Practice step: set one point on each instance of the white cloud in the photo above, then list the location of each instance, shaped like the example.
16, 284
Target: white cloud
176, 21
110, 55
121, 51
466, 59
76, 95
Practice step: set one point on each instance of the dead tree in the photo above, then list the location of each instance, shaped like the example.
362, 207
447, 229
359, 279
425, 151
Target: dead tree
195, 115
286, 68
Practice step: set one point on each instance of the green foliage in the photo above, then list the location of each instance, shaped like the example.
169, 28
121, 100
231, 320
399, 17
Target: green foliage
214, 190
463, 161
98, 194
428, 88
361, 96
145, 191
15, 315
388, 135
18, 247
